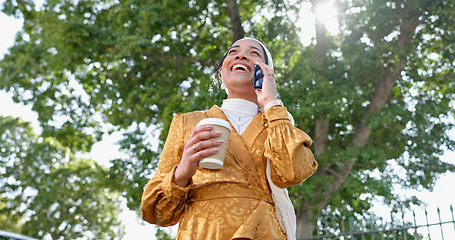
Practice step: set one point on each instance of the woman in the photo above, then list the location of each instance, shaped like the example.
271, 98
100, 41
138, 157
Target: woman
235, 201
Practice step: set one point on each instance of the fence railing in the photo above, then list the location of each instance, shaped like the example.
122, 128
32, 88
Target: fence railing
361, 229
434, 228
4, 235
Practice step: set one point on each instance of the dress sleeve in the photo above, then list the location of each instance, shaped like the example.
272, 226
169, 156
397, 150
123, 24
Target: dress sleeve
287, 147
163, 202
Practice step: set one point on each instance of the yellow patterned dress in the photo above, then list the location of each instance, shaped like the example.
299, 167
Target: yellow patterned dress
233, 202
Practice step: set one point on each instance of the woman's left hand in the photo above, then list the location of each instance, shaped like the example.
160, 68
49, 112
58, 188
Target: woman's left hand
268, 92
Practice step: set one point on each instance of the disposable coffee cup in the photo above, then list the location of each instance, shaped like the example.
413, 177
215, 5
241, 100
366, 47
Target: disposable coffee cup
216, 161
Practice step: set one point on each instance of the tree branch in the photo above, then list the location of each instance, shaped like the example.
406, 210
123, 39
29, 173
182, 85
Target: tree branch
236, 22
379, 99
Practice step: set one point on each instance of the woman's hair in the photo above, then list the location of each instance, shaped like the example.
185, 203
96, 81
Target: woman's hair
216, 75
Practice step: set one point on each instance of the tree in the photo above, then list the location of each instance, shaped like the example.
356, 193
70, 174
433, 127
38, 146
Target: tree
372, 96
50, 191
388, 97
8, 221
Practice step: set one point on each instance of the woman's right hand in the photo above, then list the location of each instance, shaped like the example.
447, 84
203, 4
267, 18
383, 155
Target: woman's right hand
198, 147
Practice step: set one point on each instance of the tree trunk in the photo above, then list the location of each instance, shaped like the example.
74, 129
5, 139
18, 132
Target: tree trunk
321, 130
236, 22
305, 223
321, 40
321, 133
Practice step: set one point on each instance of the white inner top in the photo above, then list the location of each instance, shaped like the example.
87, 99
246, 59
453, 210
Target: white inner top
240, 112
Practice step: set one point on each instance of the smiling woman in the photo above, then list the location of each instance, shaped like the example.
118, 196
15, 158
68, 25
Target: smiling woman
246, 198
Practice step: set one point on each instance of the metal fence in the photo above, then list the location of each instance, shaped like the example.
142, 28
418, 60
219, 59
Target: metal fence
434, 227
4, 235
429, 227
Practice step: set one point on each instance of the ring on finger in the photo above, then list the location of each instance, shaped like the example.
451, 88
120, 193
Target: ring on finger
194, 147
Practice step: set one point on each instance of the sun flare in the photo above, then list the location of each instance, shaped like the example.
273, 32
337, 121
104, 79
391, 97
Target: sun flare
327, 12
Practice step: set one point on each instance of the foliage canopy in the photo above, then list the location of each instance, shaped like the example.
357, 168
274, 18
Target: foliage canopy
48, 190
375, 96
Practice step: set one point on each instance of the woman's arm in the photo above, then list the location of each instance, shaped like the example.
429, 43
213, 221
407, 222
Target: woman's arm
165, 195
287, 147
163, 202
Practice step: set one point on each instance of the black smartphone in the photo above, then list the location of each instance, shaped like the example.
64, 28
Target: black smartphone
258, 77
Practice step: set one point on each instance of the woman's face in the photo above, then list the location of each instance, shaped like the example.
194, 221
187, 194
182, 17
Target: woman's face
238, 66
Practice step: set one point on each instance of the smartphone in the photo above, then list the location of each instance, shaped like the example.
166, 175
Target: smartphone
258, 77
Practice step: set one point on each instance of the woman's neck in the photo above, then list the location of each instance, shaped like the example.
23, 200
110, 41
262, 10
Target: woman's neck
248, 97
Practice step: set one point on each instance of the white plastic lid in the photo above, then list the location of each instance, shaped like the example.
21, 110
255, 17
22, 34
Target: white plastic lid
215, 121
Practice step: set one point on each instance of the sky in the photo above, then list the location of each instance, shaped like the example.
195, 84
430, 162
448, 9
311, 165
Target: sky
442, 196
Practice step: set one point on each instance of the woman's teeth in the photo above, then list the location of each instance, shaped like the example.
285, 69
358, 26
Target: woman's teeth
240, 67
